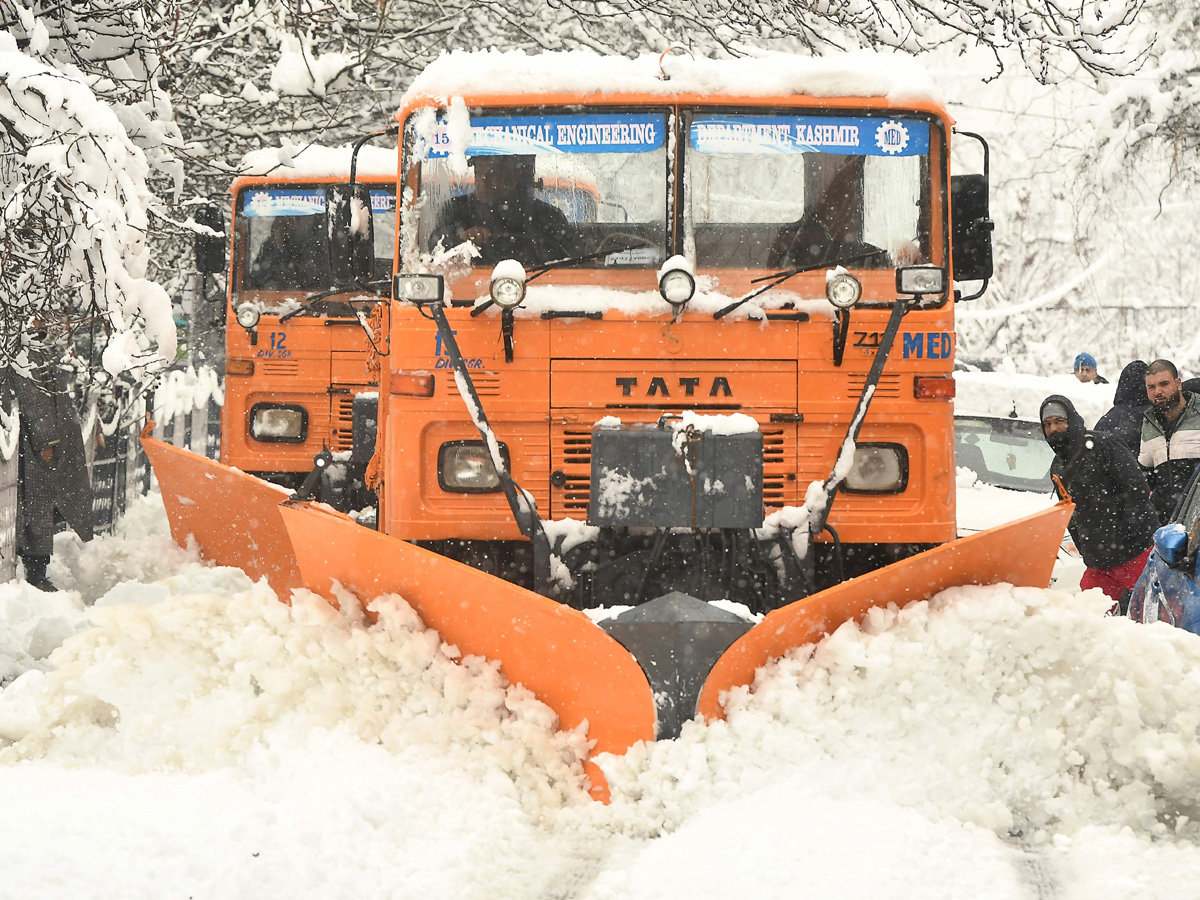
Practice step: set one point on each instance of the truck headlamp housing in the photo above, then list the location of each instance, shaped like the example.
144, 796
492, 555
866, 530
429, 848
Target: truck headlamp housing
419, 289
284, 423
248, 315
878, 469
920, 280
465, 467
843, 290
676, 281
507, 293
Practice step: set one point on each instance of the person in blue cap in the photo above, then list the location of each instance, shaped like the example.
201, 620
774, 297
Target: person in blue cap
1085, 369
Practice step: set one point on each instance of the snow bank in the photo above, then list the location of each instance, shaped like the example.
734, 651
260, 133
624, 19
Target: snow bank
198, 681
864, 74
1023, 711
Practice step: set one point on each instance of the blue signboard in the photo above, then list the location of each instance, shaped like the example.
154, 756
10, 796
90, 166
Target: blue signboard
845, 135
599, 133
292, 202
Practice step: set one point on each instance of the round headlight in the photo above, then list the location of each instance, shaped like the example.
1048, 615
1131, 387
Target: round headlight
247, 315
677, 287
508, 292
843, 290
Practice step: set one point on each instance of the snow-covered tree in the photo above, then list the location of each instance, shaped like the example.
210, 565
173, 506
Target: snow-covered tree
85, 128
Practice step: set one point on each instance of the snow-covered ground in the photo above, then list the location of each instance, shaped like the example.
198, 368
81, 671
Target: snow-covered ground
191, 736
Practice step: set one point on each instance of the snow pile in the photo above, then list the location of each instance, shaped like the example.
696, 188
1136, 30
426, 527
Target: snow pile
181, 391
1019, 710
300, 72
864, 74
315, 161
198, 681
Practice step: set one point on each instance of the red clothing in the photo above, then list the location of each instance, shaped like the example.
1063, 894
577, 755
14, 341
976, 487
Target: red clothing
1117, 580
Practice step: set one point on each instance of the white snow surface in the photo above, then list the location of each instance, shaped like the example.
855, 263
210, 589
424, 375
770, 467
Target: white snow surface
315, 161
192, 736
999, 394
513, 72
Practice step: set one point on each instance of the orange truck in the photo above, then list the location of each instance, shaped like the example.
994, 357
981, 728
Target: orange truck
723, 373
296, 361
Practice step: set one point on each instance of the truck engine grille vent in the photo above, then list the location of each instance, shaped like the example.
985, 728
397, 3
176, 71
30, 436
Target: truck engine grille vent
487, 384
341, 425
281, 367
889, 386
571, 453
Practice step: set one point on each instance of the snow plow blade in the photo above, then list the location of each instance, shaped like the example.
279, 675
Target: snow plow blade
1021, 553
556, 652
234, 517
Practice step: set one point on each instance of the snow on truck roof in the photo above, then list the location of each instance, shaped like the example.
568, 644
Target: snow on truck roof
893, 77
315, 161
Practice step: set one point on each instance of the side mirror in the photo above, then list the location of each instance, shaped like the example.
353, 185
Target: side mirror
972, 228
210, 249
351, 232
1171, 544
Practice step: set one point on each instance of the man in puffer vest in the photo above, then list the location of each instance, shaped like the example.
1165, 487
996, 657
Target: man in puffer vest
1170, 448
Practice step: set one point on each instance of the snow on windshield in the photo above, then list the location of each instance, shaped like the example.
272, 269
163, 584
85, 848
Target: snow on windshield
547, 185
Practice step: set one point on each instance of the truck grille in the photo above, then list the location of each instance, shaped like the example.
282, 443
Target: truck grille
341, 424
277, 367
571, 454
487, 384
888, 386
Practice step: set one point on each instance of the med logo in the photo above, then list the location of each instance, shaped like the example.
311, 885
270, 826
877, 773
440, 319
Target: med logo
928, 345
891, 137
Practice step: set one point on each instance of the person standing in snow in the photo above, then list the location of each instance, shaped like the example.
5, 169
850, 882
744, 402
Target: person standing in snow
1085, 369
1114, 520
52, 473
1170, 446
1129, 403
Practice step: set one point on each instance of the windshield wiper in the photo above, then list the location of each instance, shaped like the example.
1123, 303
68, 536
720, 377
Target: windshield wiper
556, 264
778, 278
310, 299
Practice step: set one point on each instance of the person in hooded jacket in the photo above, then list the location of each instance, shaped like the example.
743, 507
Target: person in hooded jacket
1114, 520
1129, 403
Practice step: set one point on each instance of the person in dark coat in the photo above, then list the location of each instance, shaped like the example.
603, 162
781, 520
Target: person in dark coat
53, 472
1114, 520
1129, 403
502, 217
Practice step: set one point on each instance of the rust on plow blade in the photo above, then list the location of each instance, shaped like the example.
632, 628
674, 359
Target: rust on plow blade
556, 652
1021, 553
234, 517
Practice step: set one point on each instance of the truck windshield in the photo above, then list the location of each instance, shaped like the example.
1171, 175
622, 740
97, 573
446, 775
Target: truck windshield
782, 191
284, 244
539, 187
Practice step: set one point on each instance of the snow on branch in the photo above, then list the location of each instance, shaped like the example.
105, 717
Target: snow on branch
74, 207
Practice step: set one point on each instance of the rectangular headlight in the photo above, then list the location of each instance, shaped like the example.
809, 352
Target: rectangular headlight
278, 422
419, 288
465, 467
920, 280
878, 469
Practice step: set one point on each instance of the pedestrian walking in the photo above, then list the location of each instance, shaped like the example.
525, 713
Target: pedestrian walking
52, 474
1114, 521
1129, 404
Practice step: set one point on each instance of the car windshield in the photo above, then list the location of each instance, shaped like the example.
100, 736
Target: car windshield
781, 191
284, 237
1006, 453
540, 187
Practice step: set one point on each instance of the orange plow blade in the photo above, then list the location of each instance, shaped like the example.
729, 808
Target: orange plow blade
556, 652
234, 517
1021, 553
